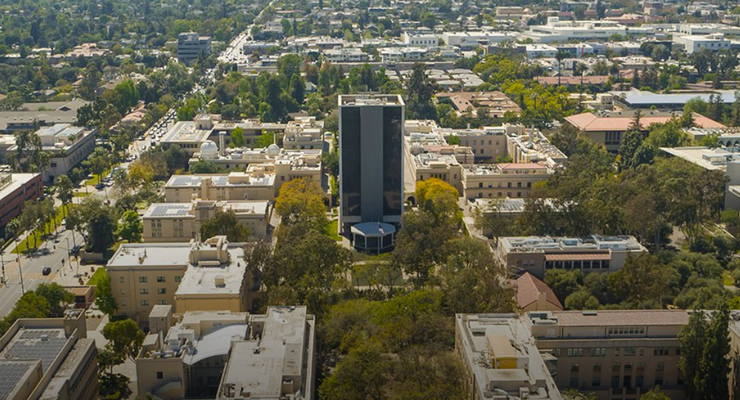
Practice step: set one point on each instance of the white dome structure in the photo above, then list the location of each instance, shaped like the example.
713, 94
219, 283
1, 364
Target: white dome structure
208, 150
273, 150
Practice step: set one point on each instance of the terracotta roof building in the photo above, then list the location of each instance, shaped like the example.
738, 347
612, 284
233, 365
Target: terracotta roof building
608, 129
533, 294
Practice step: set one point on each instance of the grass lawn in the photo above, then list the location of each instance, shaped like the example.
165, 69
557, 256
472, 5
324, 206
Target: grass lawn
333, 230
23, 246
727, 279
81, 194
96, 277
96, 179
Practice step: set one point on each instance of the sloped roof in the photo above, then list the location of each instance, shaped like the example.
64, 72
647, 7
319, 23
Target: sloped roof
528, 289
592, 123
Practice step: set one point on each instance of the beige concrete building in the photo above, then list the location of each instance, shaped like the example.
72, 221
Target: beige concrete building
512, 180
591, 254
208, 275
234, 186
304, 133
501, 359
228, 355
181, 222
488, 144
265, 172
190, 135
48, 359
616, 354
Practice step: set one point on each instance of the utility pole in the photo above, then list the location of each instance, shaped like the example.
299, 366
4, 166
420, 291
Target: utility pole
20, 270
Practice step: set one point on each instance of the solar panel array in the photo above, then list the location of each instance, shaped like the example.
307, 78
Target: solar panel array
166, 210
11, 373
38, 344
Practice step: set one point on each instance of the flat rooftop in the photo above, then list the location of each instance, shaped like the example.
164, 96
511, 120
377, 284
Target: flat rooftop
36, 344
371, 100
705, 157
186, 131
539, 244
259, 366
15, 182
234, 179
223, 279
613, 317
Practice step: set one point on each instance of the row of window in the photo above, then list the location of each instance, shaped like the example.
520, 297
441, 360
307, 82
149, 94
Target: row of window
146, 291
508, 185
623, 351
145, 279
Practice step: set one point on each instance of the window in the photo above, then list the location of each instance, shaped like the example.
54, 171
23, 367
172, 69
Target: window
616, 351
640, 381
143, 291
597, 368
660, 351
596, 382
144, 303
161, 279
573, 382
178, 278
123, 291
123, 303
575, 352
660, 367
616, 367
143, 279
574, 368
161, 291
630, 351
162, 302
556, 352
160, 375
121, 280
598, 352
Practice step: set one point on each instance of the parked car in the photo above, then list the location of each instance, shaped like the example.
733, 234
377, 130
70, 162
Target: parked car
46, 271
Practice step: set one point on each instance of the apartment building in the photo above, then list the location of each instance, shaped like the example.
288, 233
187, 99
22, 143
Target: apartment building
191, 45
181, 222
420, 39
616, 354
207, 275
221, 354
501, 360
15, 190
537, 254
49, 358
513, 180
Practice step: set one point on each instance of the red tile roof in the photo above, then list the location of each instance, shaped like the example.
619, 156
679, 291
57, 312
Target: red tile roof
592, 123
528, 288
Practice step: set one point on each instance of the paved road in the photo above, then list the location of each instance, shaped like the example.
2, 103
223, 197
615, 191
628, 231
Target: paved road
32, 269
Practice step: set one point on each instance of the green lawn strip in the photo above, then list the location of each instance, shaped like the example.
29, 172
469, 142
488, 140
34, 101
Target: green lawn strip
96, 277
332, 230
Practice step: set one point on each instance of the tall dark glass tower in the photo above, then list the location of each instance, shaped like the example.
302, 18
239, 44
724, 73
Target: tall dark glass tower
371, 159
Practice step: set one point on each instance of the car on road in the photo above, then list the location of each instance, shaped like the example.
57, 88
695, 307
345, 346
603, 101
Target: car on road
99, 186
75, 250
46, 271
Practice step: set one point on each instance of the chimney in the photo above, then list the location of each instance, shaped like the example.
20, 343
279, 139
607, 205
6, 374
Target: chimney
221, 143
541, 301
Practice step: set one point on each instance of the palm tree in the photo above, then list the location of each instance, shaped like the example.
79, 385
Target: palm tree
560, 56
65, 190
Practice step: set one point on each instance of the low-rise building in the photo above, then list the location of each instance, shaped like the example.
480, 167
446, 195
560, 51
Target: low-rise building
513, 180
345, 54
203, 276
615, 354
48, 359
608, 129
181, 222
67, 145
15, 190
724, 159
494, 104
234, 186
304, 133
31, 116
420, 39
697, 43
537, 254
191, 45
501, 360
225, 355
